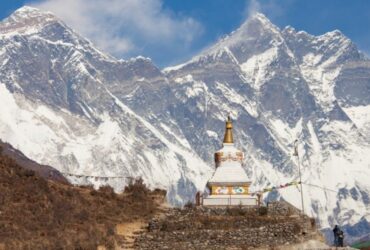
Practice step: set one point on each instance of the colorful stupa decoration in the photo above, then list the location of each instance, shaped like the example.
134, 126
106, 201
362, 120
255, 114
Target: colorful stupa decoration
229, 184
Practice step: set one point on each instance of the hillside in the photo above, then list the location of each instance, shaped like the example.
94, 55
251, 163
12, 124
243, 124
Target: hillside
40, 214
44, 171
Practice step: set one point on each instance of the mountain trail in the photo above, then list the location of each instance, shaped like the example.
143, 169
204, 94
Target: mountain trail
129, 232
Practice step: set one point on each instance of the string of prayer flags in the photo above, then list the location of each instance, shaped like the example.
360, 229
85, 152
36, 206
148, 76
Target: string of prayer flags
269, 189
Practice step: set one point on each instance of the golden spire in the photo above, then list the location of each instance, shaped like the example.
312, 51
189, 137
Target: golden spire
229, 131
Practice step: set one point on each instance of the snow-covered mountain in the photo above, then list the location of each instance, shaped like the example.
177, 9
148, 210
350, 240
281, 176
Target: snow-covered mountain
62, 104
66, 104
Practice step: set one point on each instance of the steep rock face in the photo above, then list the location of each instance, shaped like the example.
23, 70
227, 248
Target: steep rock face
66, 104
62, 106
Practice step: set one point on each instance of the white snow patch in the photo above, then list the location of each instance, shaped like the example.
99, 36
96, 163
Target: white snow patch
196, 89
234, 97
213, 134
257, 68
360, 115
185, 79
321, 80
173, 68
181, 140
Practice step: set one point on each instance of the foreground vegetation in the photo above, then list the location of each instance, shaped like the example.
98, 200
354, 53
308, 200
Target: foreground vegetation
41, 214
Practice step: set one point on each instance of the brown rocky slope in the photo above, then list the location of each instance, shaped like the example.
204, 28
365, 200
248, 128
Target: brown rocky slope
44, 171
41, 214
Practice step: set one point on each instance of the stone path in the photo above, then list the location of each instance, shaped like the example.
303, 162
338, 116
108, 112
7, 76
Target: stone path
130, 231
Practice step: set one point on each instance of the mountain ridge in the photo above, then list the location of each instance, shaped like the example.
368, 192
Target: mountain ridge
45, 172
98, 115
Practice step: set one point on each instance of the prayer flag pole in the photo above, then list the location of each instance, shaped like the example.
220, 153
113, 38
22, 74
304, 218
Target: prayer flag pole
299, 171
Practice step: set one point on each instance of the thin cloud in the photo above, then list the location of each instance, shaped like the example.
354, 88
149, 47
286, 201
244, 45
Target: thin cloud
273, 8
252, 8
126, 27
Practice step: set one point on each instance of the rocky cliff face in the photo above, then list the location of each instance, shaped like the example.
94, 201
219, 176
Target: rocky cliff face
62, 104
66, 104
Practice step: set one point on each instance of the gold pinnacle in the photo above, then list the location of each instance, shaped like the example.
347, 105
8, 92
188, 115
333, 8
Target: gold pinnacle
229, 131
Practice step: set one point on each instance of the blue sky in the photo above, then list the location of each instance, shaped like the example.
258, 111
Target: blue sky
171, 31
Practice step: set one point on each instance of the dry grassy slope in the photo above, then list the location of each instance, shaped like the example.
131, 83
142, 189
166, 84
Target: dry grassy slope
39, 214
44, 171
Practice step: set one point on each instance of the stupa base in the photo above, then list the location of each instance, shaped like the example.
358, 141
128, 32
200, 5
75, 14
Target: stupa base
229, 200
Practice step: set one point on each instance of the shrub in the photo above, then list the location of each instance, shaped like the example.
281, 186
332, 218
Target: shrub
82, 216
160, 192
29, 173
107, 191
136, 185
262, 211
94, 192
89, 186
137, 189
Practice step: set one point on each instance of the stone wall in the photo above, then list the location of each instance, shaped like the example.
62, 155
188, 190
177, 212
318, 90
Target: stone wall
227, 228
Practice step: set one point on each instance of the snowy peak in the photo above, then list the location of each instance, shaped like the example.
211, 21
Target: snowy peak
259, 19
48, 28
27, 20
258, 35
328, 37
335, 36
27, 11
45, 29
326, 49
255, 36
256, 28
289, 29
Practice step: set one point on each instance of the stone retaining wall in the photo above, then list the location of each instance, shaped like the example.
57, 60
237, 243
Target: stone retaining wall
227, 228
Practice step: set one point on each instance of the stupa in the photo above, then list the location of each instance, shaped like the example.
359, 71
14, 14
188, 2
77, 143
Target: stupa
229, 185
